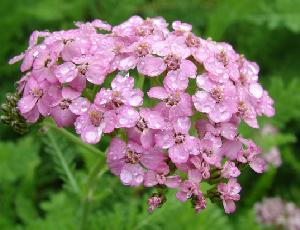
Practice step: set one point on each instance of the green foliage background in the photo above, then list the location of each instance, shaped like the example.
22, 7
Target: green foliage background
44, 176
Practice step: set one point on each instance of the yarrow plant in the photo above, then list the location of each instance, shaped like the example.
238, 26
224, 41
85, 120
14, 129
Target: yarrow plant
278, 213
177, 130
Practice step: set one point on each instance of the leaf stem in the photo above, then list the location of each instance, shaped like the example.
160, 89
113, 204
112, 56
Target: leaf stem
64, 164
140, 81
96, 172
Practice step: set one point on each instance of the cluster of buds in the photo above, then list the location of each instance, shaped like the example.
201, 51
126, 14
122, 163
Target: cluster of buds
181, 126
10, 114
275, 212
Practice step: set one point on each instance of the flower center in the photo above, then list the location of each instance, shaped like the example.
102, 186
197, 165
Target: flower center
173, 99
141, 125
208, 152
47, 62
192, 41
145, 29
67, 41
243, 79
132, 156
142, 50
242, 108
82, 69
191, 190
217, 94
172, 62
65, 103
96, 117
36, 92
116, 100
179, 138
222, 57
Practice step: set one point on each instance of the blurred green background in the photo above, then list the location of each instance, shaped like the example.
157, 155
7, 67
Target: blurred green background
37, 193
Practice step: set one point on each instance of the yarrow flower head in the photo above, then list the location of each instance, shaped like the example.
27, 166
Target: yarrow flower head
277, 213
135, 82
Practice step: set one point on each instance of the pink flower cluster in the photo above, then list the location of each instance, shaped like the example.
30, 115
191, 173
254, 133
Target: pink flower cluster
278, 213
199, 91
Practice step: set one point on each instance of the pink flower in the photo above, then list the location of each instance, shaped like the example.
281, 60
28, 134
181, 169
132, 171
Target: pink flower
153, 178
273, 157
35, 100
60, 110
210, 154
175, 52
196, 168
187, 190
95, 68
128, 161
265, 105
173, 96
217, 100
194, 136
220, 60
121, 99
44, 65
66, 72
199, 203
151, 66
146, 126
122, 92
229, 194
178, 141
92, 121
179, 26
249, 154
155, 201
229, 170
227, 130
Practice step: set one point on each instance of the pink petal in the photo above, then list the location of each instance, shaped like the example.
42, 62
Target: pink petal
173, 181
66, 72
151, 66
27, 103
80, 106
178, 154
147, 139
91, 134
127, 117
132, 174
229, 206
70, 93
175, 82
63, 117
188, 69
164, 139
120, 83
116, 149
258, 165
33, 115
43, 106
203, 102
182, 125
158, 92
150, 179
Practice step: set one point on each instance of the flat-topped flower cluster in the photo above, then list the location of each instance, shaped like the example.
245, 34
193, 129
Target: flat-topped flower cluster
200, 90
277, 213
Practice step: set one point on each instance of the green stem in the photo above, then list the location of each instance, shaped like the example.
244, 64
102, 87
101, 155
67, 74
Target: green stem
140, 81
96, 172
64, 164
74, 139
